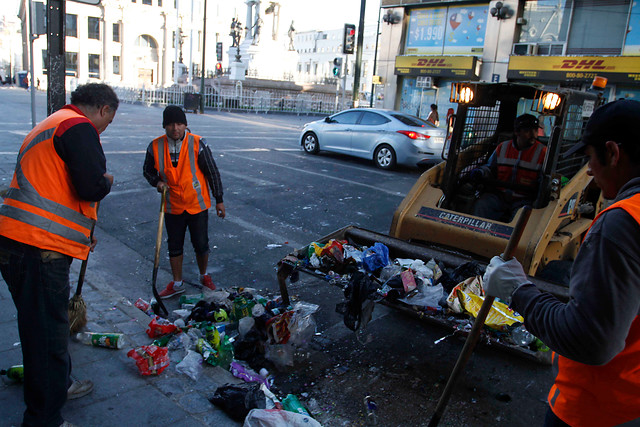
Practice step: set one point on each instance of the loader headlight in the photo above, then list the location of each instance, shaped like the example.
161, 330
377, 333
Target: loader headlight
547, 102
462, 93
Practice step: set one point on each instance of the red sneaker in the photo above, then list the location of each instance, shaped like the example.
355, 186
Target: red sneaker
206, 281
171, 290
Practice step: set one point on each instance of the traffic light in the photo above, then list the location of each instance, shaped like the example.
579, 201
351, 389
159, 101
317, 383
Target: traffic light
337, 66
218, 69
349, 40
219, 51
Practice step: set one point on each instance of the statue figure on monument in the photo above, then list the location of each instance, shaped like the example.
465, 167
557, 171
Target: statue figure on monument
291, 33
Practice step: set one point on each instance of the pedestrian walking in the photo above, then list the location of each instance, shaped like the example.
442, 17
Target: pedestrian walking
45, 222
595, 336
181, 163
433, 116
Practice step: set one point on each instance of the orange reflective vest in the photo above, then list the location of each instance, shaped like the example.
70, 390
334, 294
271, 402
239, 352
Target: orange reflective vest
526, 164
607, 395
42, 208
188, 188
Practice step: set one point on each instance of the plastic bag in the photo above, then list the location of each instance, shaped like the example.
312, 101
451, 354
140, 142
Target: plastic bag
302, 326
280, 354
427, 296
375, 257
159, 327
150, 359
240, 370
191, 365
238, 399
278, 418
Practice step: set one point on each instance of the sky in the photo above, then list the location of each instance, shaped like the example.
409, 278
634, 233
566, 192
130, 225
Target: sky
307, 14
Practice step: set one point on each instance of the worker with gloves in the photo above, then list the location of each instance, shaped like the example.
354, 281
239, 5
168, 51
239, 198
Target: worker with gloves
517, 163
595, 336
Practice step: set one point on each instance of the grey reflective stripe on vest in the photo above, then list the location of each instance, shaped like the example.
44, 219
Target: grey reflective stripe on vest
27, 194
554, 364
503, 160
160, 156
194, 178
43, 223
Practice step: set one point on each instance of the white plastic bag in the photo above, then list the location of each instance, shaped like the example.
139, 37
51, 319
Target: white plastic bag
191, 365
278, 418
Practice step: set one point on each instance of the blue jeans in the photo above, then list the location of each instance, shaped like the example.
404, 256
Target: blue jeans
39, 286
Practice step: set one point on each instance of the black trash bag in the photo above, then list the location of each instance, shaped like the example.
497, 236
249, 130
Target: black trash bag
251, 349
361, 286
451, 277
238, 399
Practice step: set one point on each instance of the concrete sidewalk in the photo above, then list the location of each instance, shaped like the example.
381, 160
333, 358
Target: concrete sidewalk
121, 395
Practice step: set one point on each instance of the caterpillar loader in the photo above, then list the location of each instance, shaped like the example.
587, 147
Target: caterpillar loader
435, 220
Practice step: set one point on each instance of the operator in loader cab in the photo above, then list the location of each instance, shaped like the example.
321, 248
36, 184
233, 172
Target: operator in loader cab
595, 336
517, 162
181, 163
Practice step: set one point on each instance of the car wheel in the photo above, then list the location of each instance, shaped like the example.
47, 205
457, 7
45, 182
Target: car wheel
384, 157
310, 143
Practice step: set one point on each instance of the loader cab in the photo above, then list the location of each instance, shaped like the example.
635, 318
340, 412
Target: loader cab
438, 211
485, 117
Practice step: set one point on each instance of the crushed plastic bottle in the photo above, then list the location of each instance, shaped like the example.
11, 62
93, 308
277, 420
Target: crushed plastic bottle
520, 336
372, 409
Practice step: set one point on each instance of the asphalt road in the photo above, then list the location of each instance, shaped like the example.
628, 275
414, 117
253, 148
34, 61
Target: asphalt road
278, 198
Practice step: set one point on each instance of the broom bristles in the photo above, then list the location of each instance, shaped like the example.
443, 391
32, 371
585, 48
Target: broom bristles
77, 314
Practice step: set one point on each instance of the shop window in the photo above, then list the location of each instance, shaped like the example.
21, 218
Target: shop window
547, 21
71, 25
94, 66
598, 27
116, 32
45, 61
71, 64
146, 2
116, 65
93, 25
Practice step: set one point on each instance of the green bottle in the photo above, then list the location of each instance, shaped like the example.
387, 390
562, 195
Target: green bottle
15, 373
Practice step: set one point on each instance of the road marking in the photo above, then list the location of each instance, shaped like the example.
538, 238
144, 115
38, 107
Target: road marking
273, 237
325, 176
19, 132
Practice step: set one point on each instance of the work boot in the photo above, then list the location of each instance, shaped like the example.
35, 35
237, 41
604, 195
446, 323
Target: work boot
79, 389
206, 281
171, 290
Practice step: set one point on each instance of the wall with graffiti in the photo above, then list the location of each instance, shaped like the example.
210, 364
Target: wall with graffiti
453, 30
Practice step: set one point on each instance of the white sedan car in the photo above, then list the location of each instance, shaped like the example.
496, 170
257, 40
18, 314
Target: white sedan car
387, 137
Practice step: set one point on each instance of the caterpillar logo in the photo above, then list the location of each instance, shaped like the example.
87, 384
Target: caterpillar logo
584, 64
431, 62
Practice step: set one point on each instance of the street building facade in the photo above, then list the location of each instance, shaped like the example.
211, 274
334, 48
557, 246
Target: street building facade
426, 45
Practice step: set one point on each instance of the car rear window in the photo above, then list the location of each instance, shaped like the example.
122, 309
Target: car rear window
369, 118
412, 121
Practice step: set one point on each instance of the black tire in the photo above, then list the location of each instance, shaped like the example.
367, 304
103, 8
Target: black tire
310, 143
384, 157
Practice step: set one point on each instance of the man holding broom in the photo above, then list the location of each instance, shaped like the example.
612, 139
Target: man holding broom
595, 336
45, 222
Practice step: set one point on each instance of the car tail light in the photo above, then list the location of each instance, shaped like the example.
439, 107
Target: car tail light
413, 135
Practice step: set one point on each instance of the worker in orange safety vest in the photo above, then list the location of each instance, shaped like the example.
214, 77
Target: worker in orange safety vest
595, 336
45, 221
517, 162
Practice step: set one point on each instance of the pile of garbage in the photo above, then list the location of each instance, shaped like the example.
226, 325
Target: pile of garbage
368, 275
240, 331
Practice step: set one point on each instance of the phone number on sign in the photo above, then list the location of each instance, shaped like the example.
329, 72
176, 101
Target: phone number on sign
580, 75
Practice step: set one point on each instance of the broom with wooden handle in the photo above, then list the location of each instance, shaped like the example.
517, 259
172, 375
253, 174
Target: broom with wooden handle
474, 335
77, 306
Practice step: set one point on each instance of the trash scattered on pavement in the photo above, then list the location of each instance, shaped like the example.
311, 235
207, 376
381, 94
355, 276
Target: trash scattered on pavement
150, 359
14, 373
107, 340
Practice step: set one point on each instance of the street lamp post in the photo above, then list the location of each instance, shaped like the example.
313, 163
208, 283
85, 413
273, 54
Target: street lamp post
204, 45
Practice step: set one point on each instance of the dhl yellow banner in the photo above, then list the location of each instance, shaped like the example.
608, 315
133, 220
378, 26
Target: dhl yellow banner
617, 69
438, 66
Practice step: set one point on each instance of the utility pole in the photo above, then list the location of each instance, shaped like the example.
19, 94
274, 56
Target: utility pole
375, 58
356, 75
204, 45
56, 95
32, 37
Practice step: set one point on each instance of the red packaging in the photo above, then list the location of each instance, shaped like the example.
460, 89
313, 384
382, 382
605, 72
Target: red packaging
159, 327
150, 359
142, 305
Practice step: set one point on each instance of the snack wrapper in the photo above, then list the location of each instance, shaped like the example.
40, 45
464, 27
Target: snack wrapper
150, 359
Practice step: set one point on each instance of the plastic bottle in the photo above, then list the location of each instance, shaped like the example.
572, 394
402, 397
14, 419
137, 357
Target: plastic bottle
292, 404
521, 336
107, 340
371, 408
15, 373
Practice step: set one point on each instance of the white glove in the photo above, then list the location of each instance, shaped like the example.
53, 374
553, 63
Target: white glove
502, 278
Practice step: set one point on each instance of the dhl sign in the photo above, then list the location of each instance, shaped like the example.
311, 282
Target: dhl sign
437, 66
617, 69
